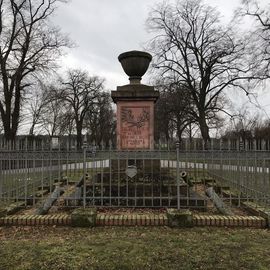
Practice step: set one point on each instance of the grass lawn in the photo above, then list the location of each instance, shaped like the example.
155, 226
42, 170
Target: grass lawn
133, 248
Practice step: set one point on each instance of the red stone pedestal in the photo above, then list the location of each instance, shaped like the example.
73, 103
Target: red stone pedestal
135, 116
135, 124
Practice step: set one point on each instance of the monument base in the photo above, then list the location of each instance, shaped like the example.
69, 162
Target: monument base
142, 166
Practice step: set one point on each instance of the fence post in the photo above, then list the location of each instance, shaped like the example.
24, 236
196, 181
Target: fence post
110, 168
1, 177
263, 145
59, 174
177, 175
221, 156
84, 176
211, 167
205, 147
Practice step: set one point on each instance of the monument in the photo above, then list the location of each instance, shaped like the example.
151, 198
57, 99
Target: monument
135, 176
135, 104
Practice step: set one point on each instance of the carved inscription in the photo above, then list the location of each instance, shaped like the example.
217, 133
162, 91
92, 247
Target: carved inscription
135, 127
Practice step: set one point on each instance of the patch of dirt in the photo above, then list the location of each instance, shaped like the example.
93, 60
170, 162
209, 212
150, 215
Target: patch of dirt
211, 209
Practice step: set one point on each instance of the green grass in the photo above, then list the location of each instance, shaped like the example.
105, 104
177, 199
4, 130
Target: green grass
133, 248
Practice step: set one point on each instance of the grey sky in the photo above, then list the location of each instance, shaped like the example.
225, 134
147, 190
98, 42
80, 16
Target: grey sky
102, 29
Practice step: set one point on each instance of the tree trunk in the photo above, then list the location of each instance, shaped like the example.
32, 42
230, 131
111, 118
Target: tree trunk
17, 107
204, 129
10, 118
179, 132
79, 134
31, 131
9, 132
190, 133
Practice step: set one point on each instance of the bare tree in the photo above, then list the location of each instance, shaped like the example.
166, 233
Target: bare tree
259, 13
163, 125
173, 109
101, 121
80, 91
35, 106
262, 131
202, 56
191, 131
243, 124
67, 122
52, 113
28, 44
180, 106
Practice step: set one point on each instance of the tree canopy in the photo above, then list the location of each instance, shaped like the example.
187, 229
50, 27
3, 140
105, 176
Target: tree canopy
29, 44
200, 54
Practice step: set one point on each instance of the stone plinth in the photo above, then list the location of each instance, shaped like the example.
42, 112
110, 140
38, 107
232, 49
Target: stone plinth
135, 116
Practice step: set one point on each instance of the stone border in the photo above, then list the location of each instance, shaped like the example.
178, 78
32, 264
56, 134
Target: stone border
35, 220
132, 220
135, 220
180, 218
229, 221
84, 217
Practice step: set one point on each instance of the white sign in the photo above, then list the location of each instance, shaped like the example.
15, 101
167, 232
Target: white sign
131, 171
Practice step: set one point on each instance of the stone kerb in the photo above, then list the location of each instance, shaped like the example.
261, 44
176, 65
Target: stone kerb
81, 217
174, 218
179, 218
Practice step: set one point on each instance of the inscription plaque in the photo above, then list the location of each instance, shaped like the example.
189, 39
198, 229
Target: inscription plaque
135, 127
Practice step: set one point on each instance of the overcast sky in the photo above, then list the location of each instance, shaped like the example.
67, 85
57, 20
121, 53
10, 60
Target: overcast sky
102, 29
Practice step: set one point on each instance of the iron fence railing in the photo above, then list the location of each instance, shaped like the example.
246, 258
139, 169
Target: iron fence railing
69, 143
148, 178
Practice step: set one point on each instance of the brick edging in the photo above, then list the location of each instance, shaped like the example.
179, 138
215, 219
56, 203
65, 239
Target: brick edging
131, 220
229, 221
135, 220
35, 220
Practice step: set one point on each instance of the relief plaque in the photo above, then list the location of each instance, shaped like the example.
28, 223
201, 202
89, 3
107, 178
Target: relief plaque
135, 127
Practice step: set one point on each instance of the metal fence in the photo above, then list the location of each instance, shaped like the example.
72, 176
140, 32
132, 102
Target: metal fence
69, 143
111, 178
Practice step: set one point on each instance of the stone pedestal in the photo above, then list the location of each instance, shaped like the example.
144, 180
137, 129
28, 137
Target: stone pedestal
135, 104
135, 116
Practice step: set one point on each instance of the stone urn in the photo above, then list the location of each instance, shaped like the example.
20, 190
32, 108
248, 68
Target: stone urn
135, 64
